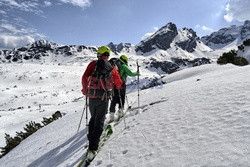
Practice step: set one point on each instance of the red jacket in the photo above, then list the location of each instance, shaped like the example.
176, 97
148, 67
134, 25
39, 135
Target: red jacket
116, 79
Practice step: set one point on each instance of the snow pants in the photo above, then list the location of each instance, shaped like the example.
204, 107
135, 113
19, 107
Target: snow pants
98, 110
116, 98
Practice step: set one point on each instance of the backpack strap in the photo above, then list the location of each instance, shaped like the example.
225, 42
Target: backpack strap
105, 94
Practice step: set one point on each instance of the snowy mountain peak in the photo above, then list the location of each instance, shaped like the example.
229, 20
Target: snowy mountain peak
245, 31
118, 48
43, 44
188, 32
169, 36
170, 27
186, 39
247, 23
160, 39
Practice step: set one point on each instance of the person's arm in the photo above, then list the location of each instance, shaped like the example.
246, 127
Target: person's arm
116, 78
89, 70
129, 72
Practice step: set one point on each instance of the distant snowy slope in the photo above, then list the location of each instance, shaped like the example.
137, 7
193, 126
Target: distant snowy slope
30, 92
226, 37
199, 118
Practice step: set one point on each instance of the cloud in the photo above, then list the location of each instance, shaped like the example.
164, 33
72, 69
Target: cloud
15, 36
47, 3
207, 29
10, 28
2, 12
204, 28
228, 17
16, 30
11, 41
80, 3
27, 6
237, 10
149, 33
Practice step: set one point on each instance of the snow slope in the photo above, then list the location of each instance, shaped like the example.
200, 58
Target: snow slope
201, 117
30, 92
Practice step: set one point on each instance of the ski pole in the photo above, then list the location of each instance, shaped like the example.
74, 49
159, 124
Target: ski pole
122, 108
138, 84
87, 111
128, 102
85, 107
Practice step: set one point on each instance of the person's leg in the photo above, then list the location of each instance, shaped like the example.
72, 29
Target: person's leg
114, 101
101, 107
122, 94
92, 117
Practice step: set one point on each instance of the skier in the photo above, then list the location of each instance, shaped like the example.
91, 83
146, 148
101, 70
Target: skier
119, 94
97, 87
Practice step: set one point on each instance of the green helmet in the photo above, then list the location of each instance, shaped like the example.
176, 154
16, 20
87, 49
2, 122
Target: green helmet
104, 50
124, 58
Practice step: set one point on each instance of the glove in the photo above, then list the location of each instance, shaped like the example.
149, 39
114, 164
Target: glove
84, 92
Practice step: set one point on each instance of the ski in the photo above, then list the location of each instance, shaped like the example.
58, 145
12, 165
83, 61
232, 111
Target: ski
81, 163
86, 163
109, 129
105, 136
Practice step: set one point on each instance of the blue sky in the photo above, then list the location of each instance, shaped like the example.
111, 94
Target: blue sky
98, 22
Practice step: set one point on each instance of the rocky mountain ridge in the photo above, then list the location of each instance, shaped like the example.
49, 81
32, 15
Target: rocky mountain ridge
168, 48
165, 36
41, 50
161, 39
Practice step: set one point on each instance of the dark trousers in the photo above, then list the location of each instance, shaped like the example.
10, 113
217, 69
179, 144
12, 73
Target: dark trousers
118, 99
98, 110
